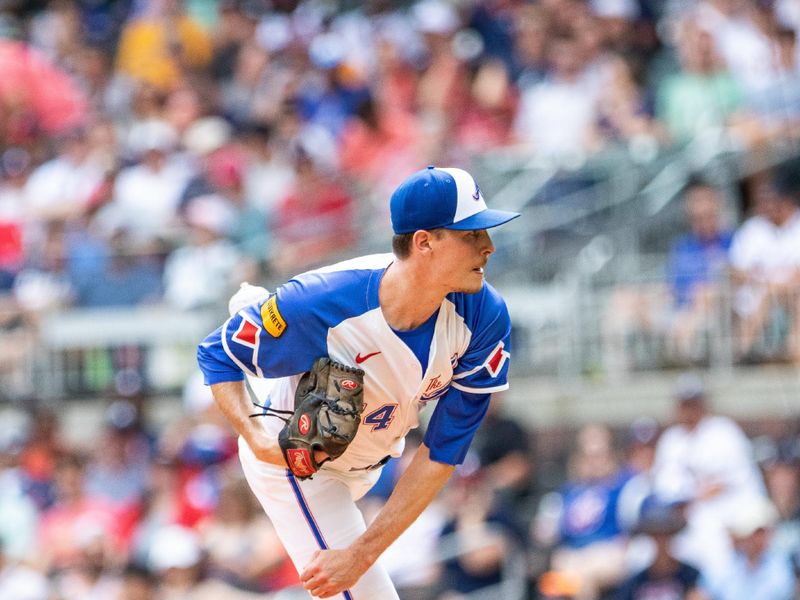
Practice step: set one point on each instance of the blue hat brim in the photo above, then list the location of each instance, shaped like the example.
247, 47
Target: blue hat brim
486, 219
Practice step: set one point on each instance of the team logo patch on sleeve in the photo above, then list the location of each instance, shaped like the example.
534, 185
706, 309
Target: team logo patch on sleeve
272, 318
247, 334
497, 358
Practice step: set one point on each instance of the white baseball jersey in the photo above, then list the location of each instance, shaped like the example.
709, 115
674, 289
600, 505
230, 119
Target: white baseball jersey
457, 358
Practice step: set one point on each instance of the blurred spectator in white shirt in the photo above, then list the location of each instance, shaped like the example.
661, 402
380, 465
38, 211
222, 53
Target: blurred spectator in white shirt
18, 513
704, 460
765, 256
555, 117
178, 559
44, 283
204, 271
777, 104
739, 31
60, 189
21, 582
146, 195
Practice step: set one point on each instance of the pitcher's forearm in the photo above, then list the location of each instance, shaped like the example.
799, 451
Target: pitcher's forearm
234, 402
415, 490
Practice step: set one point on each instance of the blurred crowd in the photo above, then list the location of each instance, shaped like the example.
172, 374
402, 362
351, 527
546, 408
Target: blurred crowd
693, 508
129, 512
160, 150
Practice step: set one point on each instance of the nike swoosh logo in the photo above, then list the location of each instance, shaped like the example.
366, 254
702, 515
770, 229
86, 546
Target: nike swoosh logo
360, 359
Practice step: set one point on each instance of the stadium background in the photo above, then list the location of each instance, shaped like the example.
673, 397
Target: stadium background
154, 153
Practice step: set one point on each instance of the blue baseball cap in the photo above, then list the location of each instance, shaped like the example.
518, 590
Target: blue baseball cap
448, 198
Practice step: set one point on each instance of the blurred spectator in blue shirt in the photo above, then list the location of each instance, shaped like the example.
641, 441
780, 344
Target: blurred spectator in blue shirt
699, 257
330, 95
683, 307
582, 519
112, 271
697, 265
495, 22
758, 570
556, 117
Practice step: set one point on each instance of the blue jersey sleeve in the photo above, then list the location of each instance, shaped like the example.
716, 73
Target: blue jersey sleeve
279, 337
216, 365
484, 366
284, 334
453, 425
480, 371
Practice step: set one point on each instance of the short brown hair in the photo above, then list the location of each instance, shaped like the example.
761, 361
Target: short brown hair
401, 244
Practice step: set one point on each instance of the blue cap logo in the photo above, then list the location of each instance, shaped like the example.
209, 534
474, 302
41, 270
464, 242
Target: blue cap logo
477, 194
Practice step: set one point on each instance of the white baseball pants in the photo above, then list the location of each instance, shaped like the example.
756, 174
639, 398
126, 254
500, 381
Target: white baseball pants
317, 513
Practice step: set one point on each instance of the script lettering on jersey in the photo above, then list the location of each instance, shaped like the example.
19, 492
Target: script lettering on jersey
434, 384
434, 389
272, 318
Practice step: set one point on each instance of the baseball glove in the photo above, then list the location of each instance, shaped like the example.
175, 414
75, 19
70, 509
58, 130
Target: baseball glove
328, 404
